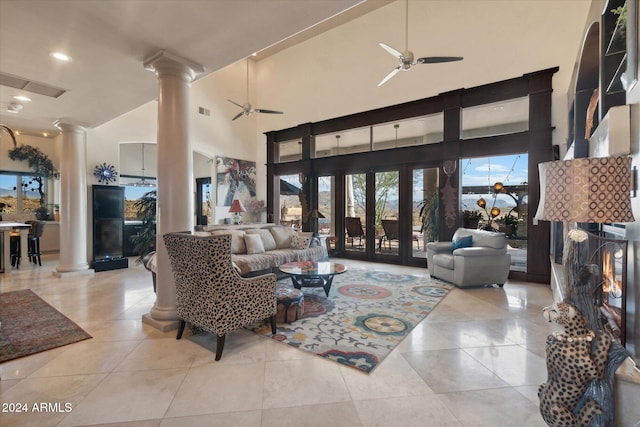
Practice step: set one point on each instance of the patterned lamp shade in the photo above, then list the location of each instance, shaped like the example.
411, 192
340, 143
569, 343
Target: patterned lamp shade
595, 190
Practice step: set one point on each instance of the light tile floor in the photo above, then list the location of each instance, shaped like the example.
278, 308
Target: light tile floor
476, 360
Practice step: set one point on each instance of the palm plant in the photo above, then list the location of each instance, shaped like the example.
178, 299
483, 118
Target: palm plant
429, 217
145, 241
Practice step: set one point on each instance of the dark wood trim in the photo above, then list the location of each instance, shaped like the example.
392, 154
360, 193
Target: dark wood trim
536, 141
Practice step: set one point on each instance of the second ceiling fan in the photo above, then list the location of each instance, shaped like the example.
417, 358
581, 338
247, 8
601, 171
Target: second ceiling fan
406, 58
247, 109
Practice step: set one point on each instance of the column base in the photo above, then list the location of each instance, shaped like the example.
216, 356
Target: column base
162, 325
76, 273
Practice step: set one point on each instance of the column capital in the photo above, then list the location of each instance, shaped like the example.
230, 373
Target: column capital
164, 63
67, 127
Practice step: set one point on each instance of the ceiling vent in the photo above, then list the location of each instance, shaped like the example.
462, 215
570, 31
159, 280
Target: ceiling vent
30, 86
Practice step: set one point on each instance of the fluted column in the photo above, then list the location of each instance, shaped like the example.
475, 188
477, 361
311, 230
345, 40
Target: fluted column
73, 202
175, 181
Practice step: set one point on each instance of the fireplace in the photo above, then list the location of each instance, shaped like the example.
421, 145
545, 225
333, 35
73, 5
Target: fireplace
610, 254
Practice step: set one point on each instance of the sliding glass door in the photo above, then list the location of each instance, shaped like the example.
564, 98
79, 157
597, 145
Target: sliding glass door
424, 215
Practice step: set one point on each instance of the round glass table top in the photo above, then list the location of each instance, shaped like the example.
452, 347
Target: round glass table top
313, 268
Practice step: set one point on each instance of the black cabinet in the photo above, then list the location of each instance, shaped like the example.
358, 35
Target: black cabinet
108, 228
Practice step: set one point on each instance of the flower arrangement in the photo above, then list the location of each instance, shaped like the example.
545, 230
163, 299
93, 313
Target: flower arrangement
254, 205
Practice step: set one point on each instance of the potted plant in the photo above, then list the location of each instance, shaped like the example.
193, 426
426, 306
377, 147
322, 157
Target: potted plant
471, 219
429, 217
508, 224
43, 169
145, 241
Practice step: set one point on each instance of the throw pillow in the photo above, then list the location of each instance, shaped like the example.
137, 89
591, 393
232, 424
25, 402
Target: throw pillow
267, 238
300, 241
237, 240
254, 244
462, 242
282, 236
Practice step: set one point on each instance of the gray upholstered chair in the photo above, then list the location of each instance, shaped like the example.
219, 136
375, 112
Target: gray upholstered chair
484, 261
210, 294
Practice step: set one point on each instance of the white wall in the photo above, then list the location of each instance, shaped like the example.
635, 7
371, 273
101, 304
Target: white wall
337, 72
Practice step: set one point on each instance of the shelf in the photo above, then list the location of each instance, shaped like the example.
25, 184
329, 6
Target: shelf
615, 84
618, 42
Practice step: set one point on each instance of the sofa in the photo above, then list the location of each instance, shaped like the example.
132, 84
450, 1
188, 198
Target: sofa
260, 248
472, 258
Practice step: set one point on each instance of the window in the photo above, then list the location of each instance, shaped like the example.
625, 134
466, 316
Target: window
21, 192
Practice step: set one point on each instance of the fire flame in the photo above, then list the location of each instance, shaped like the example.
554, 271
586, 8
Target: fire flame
610, 285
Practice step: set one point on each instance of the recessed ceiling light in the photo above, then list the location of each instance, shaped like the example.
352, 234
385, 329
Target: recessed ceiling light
22, 98
45, 134
60, 56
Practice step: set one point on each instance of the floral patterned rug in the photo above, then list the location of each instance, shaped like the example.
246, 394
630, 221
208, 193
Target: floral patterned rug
366, 315
29, 325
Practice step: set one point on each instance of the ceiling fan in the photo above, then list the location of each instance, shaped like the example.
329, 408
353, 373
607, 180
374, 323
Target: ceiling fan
406, 57
247, 109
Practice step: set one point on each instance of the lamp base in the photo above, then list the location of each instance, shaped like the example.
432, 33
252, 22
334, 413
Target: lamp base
237, 218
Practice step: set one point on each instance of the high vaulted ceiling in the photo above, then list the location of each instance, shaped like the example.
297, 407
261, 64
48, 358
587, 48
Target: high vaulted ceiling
109, 40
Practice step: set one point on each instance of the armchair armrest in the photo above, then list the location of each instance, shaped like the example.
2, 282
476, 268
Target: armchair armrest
440, 247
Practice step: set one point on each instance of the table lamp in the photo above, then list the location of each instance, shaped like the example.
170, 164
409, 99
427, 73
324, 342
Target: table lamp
236, 208
587, 190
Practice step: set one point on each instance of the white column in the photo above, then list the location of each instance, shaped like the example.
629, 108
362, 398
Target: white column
73, 202
175, 180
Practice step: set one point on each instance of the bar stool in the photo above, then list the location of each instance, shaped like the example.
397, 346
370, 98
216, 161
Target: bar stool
14, 248
33, 241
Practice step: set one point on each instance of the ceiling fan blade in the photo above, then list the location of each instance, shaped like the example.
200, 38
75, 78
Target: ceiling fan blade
235, 103
437, 59
237, 115
260, 110
391, 50
391, 74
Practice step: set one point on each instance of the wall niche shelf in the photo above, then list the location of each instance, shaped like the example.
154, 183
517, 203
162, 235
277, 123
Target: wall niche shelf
614, 57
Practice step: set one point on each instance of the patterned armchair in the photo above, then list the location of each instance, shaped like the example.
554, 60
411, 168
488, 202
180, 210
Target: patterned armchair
210, 294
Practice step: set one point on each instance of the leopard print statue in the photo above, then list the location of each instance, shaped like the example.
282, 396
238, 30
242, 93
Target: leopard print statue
571, 365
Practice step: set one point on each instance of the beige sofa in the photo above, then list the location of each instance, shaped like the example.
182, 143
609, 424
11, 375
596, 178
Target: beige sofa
260, 248
484, 262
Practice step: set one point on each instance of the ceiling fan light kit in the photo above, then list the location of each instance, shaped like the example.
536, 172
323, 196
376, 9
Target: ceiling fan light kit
406, 58
247, 109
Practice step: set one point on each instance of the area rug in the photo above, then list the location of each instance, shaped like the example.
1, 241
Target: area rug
367, 314
30, 325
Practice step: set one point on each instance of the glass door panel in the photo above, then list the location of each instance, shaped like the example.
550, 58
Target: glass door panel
425, 210
355, 212
388, 239
290, 206
326, 195
494, 197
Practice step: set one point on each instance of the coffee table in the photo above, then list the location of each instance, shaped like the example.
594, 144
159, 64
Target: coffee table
314, 274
